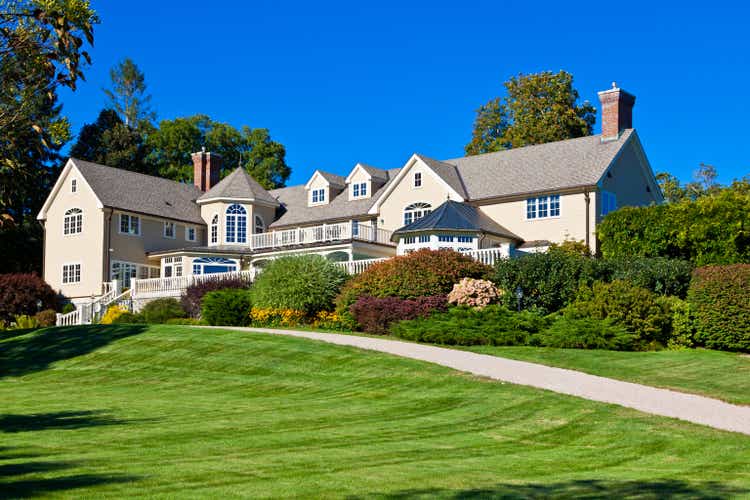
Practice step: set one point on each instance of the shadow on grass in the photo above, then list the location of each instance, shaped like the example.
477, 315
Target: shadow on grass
23, 354
57, 420
587, 490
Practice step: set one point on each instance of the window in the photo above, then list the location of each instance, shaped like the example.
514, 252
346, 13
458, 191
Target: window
215, 229
236, 227
609, 202
172, 266
465, 239
409, 240
124, 272
359, 189
211, 265
71, 273
445, 238
260, 226
318, 195
355, 228
424, 238
73, 185
543, 207
190, 233
416, 211
130, 224
417, 179
73, 221
169, 230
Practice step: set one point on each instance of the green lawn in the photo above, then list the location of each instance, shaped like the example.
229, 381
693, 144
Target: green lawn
170, 411
722, 375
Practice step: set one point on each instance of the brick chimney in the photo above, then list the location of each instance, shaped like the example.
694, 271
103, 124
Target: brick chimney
617, 112
206, 168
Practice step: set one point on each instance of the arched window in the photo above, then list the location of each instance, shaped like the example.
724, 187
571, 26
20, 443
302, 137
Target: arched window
416, 211
73, 221
260, 226
215, 229
236, 227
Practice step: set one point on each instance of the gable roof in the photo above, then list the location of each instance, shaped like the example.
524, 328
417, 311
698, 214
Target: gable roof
447, 172
146, 194
456, 216
333, 179
375, 172
238, 185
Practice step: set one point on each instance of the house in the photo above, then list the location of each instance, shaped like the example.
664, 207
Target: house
103, 224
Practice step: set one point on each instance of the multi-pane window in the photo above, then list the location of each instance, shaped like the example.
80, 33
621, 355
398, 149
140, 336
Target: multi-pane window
355, 228
71, 273
73, 185
130, 224
236, 227
445, 238
172, 267
543, 207
215, 229
359, 189
318, 195
609, 202
465, 239
424, 238
417, 179
416, 211
190, 233
409, 240
73, 221
260, 226
169, 229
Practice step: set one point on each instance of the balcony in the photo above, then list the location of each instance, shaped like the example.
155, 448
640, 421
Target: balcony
327, 233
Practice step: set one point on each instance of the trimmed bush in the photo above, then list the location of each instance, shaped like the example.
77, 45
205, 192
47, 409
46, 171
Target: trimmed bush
160, 310
586, 333
306, 283
192, 299
719, 296
374, 315
683, 324
419, 274
493, 325
659, 274
640, 311
474, 293
48, 317
19, 294
230, 307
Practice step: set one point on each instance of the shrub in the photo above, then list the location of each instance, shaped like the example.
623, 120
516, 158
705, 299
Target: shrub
129, 318
638, 310
160, 310
549, 281
306, 283
659, 274
718, 296
269, 317
113, 312
329, 320
474, 293
23, 294
418, 274
374, 315
68, 308
45, 318
192, 299
493, 325
230, 307
683, 324
586, 333
24, 322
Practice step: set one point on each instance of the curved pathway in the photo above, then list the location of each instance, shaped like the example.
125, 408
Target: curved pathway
664, 402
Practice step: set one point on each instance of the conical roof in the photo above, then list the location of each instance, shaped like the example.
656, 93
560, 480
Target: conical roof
238, 185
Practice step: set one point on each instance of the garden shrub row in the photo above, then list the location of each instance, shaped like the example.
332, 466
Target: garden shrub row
192, 299
375, 315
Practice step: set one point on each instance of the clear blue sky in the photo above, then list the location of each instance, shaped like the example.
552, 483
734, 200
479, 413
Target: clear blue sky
339, 83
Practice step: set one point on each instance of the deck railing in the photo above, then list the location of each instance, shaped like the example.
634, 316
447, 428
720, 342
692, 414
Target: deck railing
174, 286
320, 234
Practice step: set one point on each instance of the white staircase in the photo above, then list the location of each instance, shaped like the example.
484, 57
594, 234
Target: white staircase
89, 313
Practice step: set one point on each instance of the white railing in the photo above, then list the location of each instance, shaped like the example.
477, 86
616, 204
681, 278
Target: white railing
320, 234
488, 255
357, 266
174, 286
69, 319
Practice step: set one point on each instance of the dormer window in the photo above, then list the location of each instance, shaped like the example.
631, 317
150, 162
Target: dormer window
73, 186
359, 190
318, 195
417, 179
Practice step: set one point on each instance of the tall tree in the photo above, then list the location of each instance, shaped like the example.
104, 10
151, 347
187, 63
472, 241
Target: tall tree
538, 108
128, 94
253, 149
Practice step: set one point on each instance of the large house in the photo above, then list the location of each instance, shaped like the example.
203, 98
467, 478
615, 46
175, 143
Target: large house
103, 224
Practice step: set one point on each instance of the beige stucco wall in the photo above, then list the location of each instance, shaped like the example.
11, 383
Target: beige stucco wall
208, 210
85, 248
359, 177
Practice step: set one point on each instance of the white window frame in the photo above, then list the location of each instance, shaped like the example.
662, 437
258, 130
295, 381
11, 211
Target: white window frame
257, 218
419, 207
130, 225
172, 225
535, 204
359, 190
69, 271
188, 230
320, 194
416, 180
236, 218
72, 219
74, 185
609, 202
214, 236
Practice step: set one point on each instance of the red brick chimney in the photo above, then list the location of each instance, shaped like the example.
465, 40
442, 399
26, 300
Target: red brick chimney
206, 168
617, 111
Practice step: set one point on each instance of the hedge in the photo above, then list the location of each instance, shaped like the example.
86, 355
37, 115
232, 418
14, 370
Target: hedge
229, 307
192, 299
375, 315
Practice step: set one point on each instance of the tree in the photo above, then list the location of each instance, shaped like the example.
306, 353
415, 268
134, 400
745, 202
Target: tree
128, 94
538, 108
704, 183
253, 149
670, 187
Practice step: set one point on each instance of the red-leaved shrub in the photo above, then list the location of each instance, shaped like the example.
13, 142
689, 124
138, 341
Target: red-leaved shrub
192, 299
375, 315
24, 294
720, 299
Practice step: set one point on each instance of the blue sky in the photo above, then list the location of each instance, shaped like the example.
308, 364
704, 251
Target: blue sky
338, 83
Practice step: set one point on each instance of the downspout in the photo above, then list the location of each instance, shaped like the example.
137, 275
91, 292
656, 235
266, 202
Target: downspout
587, 197
109, 245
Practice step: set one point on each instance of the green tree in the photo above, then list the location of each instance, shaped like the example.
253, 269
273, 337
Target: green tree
538, 108
671, 187
128, 94
253, 149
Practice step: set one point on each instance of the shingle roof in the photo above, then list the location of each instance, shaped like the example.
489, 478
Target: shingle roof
297, 211
126, 190
377, 173
334, 179
456, 216
447, 172
551, 166
238, 184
